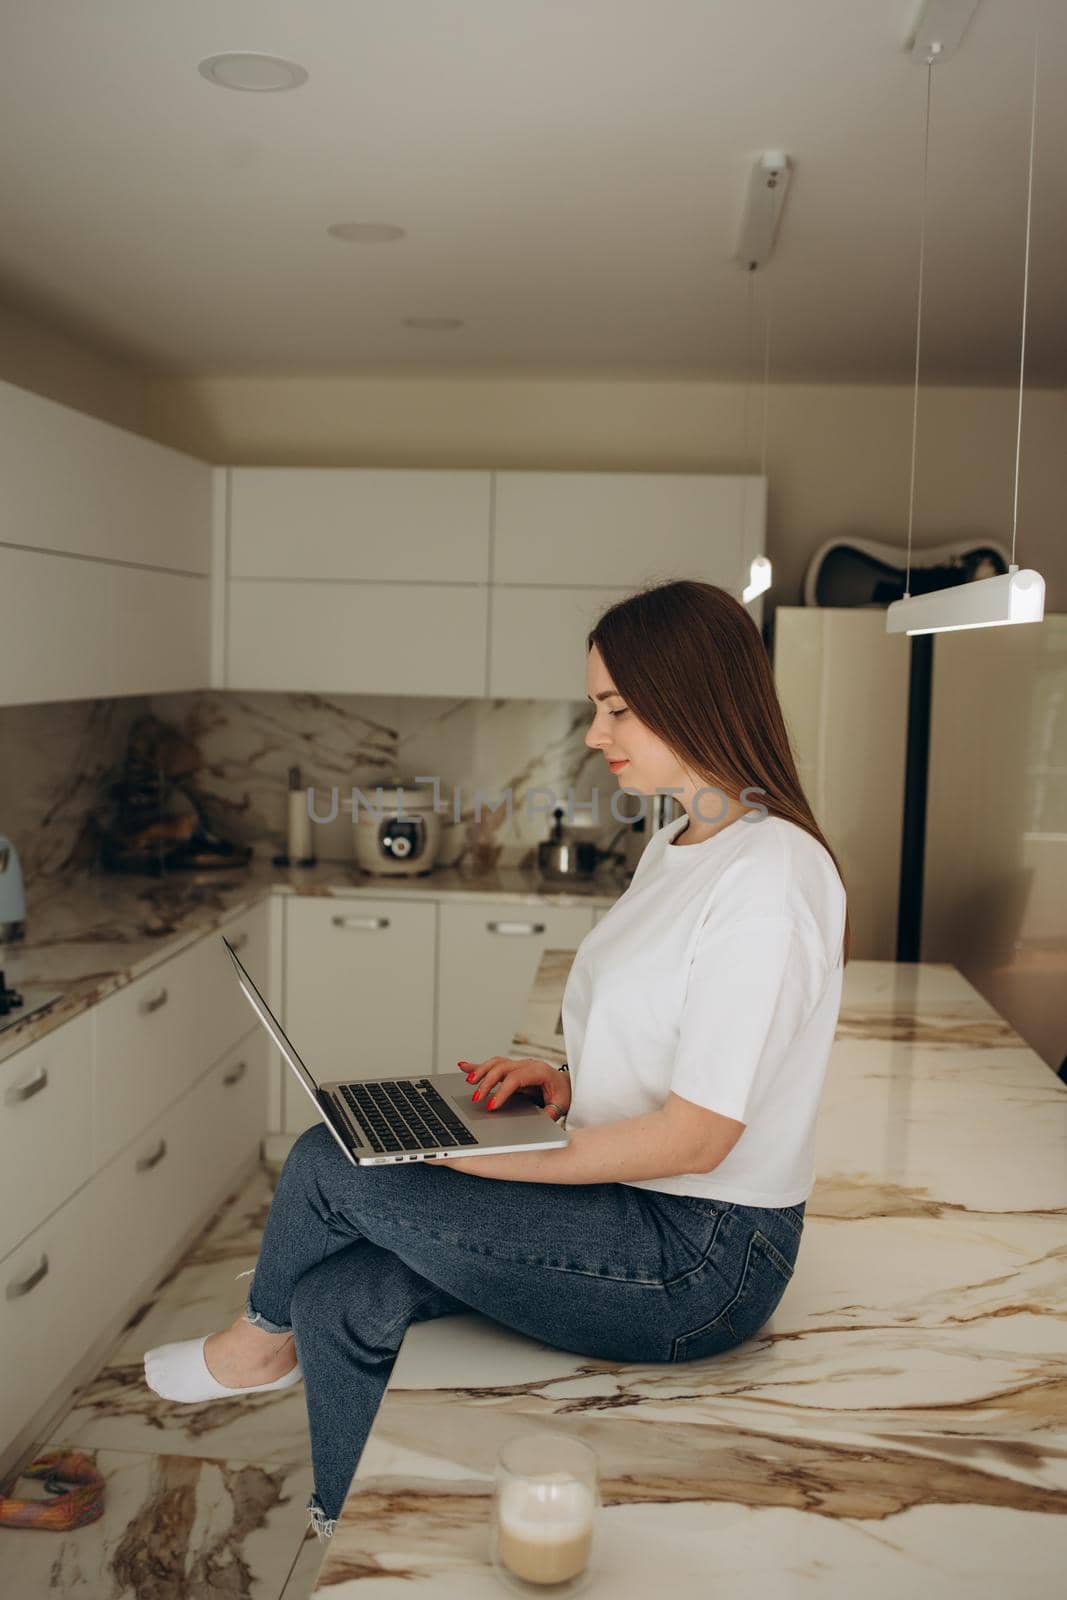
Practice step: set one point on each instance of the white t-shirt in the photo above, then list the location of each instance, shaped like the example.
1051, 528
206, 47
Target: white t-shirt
716, 976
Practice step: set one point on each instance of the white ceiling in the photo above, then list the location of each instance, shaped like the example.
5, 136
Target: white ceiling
570, 173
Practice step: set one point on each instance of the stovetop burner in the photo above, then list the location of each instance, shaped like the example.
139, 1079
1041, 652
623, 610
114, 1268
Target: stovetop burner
18, 1003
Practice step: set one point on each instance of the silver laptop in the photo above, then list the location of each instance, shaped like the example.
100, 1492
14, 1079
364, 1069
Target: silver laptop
381, 1120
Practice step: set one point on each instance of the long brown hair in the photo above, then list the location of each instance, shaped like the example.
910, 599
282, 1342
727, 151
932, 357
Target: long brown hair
689, 661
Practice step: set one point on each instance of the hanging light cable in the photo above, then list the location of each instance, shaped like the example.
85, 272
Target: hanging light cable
766, 381
919, 315
1014, 596
761, 572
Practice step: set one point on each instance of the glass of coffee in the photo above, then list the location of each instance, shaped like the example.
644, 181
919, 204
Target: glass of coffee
544, 1514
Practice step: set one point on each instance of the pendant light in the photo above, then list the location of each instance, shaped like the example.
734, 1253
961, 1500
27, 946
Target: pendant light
1014, 596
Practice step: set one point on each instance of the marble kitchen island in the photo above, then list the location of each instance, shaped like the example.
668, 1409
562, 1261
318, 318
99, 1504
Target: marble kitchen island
899, 1426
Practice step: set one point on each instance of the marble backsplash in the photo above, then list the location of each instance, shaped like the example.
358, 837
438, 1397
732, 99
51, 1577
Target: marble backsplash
58, 763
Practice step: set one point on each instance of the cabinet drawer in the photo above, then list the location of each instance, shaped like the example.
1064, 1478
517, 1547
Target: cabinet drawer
52, 1306
45, 1143
229, 1111
145, 1050
487, 959
359, 991
223, 1012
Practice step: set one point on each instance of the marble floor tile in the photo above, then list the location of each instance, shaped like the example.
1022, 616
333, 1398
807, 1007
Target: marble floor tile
237, 1230
195, 1300
175, 1528
117, 1411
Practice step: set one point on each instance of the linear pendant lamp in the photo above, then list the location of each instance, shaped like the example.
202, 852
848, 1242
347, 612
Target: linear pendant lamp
1014, 596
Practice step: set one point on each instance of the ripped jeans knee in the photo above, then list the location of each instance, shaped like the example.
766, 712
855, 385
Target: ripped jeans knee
322, 1524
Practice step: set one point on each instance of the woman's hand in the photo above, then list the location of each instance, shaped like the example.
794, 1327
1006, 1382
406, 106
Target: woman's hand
497, 1079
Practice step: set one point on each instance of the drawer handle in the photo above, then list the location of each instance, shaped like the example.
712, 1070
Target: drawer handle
22, 1286
515, 927
239, 940
372, 924
237, 1074
154, 1004
146, 1163
26, 1091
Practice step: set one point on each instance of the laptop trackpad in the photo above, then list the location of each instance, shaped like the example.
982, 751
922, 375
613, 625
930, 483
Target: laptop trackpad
516, 1106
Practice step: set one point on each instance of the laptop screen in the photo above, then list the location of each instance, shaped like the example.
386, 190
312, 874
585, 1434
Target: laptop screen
271, 1023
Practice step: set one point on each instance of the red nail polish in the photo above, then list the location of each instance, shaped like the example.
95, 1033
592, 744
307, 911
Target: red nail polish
477, 1094
492, 1103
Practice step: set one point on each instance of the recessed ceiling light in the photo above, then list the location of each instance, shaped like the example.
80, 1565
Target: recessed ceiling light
433, 322
245, 69
366, 232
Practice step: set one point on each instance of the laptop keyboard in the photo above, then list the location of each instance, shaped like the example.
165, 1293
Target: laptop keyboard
404, 1114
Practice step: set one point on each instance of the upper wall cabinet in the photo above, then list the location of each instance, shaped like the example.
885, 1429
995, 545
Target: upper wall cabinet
568, 544
76, 485
357, 638
105, 558
537, 640
622, 529
457, 583
354, 523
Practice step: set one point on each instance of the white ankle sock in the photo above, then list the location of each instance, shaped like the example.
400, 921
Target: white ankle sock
179, 1372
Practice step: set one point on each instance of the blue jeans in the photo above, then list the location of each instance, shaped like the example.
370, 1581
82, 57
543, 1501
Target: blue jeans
351, 1256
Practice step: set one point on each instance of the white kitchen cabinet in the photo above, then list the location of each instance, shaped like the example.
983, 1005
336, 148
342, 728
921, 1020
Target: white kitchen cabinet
145, 1050
72, 629
359, 991
51, 1305
75, 484
359, 523
224, 1014
626, 528
105, 558
45, 1118
120, 1132
355, 638
162, 635
537, 640
150, 1195
486, 961
228, 1107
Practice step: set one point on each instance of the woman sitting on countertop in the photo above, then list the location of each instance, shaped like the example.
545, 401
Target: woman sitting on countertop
699, 1016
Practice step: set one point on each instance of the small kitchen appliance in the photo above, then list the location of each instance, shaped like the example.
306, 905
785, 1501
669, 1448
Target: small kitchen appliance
566, 859
395, 829
12, 894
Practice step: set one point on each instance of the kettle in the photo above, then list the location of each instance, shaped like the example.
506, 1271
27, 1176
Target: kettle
560, 859
12, 894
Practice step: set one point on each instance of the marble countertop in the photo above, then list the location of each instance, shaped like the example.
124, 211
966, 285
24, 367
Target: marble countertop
90, 934
897, 1427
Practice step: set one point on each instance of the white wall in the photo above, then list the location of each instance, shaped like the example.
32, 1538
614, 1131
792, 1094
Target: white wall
838, 455
39, 357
